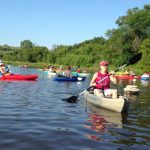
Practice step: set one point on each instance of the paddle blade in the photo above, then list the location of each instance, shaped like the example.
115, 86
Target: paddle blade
134, 59
72, 99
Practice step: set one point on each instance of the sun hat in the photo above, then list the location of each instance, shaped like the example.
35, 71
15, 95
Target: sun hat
104, 63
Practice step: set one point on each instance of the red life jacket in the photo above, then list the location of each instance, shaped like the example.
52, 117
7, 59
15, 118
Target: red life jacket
105, 84
78, 70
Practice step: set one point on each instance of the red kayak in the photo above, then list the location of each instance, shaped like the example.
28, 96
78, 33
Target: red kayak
19, 77
127, 77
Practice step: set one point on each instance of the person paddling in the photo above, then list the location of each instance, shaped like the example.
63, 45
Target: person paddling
78, 69
103, 88
4, 70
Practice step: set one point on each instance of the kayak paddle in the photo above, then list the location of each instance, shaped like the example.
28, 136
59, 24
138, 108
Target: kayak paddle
132, 60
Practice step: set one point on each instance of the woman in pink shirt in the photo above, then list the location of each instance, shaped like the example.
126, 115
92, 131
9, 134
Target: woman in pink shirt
103, 88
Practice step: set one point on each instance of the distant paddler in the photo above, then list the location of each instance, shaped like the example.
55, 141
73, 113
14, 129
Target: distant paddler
145, 76
78, 69
60, 70
4, 70
67, 72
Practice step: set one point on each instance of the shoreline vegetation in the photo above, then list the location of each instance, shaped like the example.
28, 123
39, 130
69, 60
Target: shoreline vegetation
132, 36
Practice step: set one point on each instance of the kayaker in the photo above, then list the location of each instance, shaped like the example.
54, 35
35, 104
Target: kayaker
78, 69
51, 69
60, 70
103, 88
145, 75
112, 72
132, 73
126, 72
47, 69
4, 70
67, 72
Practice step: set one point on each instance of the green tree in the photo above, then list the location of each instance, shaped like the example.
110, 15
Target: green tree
145, 49
26, 44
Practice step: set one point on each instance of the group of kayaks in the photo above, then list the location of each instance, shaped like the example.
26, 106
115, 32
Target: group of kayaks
119, 75
49, 73
60, 77
35, 76
82, 76
119, 104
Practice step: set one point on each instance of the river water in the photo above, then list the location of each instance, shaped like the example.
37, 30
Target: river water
33, 116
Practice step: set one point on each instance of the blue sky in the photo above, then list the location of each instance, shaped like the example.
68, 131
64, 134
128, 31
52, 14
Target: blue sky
49, 22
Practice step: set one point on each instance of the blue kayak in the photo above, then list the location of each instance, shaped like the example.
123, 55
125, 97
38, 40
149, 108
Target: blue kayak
69, 79
145, 78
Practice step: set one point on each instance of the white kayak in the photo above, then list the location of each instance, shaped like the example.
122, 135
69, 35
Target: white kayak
131, 88
51, 73
119, 104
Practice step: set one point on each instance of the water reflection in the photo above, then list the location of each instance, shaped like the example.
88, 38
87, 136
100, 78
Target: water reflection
131, 96
98, 124
112, 117
100, 120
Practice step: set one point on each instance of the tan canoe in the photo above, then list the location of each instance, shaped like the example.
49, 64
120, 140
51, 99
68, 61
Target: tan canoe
118, 104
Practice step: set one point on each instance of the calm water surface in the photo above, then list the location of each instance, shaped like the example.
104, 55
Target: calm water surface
34, 117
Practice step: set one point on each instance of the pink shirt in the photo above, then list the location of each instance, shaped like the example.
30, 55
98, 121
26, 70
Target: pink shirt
105, 84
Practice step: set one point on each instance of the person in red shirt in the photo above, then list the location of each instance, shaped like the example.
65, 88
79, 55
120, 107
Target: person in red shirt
103, 88
78, 69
